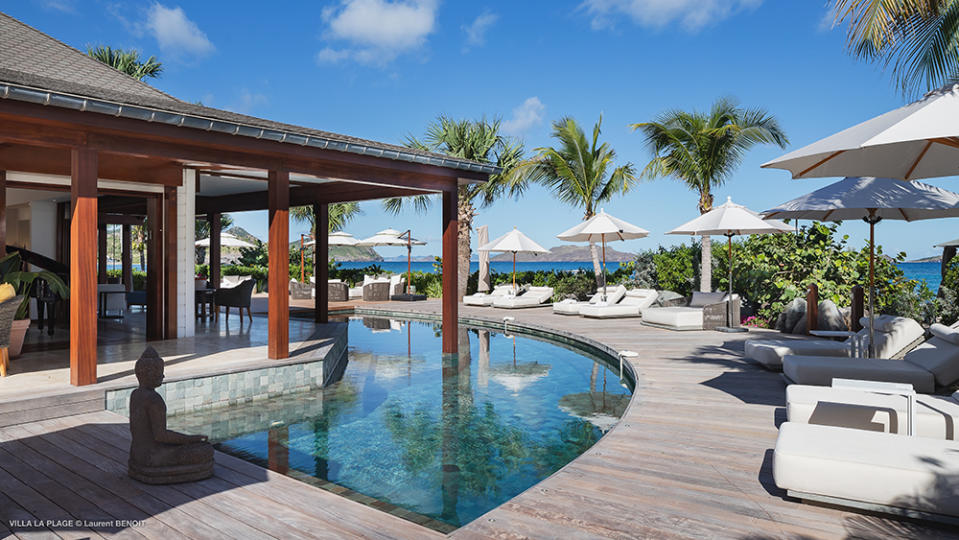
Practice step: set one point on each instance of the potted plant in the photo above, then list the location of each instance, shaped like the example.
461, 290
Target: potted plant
22, 282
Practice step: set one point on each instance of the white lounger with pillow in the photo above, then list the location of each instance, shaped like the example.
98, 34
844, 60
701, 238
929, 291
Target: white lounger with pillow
632, 305
571, 307
863, 469
688, 317
892, 334
872, 410
486, 299
533, 297
934, 362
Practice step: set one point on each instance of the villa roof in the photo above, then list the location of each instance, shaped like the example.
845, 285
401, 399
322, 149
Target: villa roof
37, 68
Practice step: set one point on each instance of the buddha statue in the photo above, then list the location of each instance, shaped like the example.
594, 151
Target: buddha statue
157, 454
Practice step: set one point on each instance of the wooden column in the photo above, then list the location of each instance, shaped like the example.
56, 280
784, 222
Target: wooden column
127, 256
169, 263
214, 248
450, 271
3, 213
321, 257
278, 325
102, 253
83, 266
154, 249
812, 308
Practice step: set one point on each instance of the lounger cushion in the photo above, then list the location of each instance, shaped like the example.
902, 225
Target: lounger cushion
936, 416
569, 307
875, 468
643, 298
821, 370
895, 334
600, 311
613, 295
944, 332
676, 318
939, 357
770, 352
701, 299
534, 296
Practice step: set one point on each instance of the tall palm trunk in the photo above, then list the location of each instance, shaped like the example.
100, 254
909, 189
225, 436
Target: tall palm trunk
597, 268
465, 214
706, 265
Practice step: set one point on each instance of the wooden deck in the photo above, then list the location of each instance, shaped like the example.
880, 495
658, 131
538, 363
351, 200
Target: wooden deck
691, 458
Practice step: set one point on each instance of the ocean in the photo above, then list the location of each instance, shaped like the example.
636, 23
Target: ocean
928, 271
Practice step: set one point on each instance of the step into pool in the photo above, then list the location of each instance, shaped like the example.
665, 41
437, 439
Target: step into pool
439, 441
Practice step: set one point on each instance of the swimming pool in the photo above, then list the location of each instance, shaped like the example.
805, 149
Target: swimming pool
437, 441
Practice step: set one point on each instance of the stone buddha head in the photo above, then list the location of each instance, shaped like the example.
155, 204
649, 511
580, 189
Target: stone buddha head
149, 369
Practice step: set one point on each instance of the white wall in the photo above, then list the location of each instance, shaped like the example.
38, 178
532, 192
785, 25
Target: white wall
186, 272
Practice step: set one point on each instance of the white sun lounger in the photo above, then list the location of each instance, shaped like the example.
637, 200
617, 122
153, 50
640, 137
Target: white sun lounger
935, 362
689, 317
632, 305
533, 297
570, 307
486, 299
909, 476
893, 335
874, 409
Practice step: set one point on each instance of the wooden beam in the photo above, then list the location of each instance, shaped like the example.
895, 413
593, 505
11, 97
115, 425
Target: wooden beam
450, 273
303, 196
118, 219
126, 257
169, 263
278, 326
83, 266
321, 257
154, 271
215, 226
818, 163
56, 160
3, 212
101, 252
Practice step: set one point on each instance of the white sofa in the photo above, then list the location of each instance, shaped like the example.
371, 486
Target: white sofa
572, 307
633, 304
486, 299
935, 362
935, 416
864, 469
892, 335
533, 297
689, 317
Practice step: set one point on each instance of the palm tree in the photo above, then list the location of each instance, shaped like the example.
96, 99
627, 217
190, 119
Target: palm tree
476, 140
127, 61
579, 173
703, 149
919, 39
339, 215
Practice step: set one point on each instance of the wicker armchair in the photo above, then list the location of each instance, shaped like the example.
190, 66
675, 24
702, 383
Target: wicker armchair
378, 291
8, 310
338, 291
239, 297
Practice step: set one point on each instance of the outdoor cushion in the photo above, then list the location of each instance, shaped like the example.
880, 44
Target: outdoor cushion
936, 416
605, 311
570, 307
675, 318
642, 298
939, 357
613, 296
701, 299
533, 297
944, 332
868, 467
486, 299
821, 370
7, 292
770, 352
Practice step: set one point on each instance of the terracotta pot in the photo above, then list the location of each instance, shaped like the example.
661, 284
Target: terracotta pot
17, 333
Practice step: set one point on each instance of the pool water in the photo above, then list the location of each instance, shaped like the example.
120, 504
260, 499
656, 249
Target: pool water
441, 439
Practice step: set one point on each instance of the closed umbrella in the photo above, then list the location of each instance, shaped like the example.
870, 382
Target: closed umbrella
730, 219
603, 227
872, 200
393, 237
513, 242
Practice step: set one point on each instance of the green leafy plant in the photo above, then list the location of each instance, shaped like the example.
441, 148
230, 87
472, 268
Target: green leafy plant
22, 281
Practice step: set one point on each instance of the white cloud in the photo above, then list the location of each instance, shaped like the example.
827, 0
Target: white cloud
476, 30
376, 31
63, 6
526, 115
175, 33
692, 15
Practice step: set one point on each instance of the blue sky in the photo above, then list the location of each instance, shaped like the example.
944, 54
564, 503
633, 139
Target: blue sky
383, 69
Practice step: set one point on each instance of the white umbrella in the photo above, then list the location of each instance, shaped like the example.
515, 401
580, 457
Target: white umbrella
600, 228
393, 237
226, 240
513, 242
338, 238
951, 243
920, 140
730, 219
872, 200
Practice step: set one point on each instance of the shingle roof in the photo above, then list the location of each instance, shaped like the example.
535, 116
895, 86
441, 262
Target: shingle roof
32, 59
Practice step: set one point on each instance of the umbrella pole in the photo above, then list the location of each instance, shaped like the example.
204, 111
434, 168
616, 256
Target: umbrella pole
514, 272
603, 236
409, 260
872, 220
301, 258
729, 302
